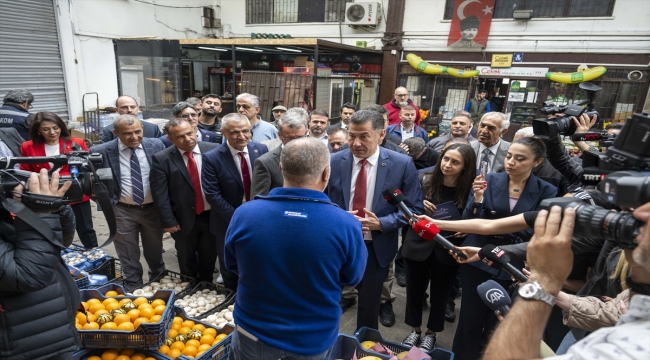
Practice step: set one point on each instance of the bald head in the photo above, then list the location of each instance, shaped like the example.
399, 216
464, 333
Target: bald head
126, 104
305, 164
401, 96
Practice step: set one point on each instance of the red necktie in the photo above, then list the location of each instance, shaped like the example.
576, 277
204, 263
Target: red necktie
196, 182
246, 176
360, 190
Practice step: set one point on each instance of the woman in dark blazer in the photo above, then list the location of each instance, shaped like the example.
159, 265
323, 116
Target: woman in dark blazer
495, 196
50, 136
450, 181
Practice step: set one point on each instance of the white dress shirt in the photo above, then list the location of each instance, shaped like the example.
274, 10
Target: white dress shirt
493, 152
126, 196
322, 139
199, 164
371, 176
237, 158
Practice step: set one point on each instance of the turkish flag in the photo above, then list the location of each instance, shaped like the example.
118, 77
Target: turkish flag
470, 23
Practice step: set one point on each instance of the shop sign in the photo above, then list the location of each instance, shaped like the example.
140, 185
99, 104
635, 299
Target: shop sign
518, 57
501, 60
219, 70
512, 72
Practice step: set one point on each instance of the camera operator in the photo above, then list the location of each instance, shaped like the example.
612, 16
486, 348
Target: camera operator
556, 153
550, 259
38, 297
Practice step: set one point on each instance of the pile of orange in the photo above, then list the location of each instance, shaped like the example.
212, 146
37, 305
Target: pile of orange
123, 354
185, 337
124, 315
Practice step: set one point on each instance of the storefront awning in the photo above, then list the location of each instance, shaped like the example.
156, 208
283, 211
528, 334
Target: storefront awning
302, 44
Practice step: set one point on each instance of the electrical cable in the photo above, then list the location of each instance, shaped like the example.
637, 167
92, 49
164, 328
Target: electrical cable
174, 7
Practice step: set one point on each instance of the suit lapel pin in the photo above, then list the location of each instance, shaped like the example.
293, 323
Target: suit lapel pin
383, 164
255, 150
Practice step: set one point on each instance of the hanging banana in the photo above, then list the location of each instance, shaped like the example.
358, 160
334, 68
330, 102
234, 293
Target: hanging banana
578, 76
462, 73
423, 66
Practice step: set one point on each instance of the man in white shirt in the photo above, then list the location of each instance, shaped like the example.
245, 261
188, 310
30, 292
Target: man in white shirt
347, 110
490, 148
318, 122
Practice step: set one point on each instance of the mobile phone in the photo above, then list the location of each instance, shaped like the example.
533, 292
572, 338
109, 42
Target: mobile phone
484, 168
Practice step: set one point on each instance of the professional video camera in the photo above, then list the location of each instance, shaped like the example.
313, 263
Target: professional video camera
86, 180
545, 128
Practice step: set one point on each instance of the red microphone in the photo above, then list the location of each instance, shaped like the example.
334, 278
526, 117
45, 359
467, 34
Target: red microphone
429, 231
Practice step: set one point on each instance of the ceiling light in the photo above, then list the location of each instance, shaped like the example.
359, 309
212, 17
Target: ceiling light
287, 49
247, 49
207, 48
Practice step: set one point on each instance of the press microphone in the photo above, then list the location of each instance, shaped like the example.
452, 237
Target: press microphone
395, 197
495, 297
494, 257
426, 230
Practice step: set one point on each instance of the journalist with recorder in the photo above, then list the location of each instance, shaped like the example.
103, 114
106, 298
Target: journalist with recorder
34, 283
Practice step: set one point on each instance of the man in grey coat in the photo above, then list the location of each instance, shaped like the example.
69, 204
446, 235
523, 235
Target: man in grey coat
490, 148
461, 124
266, 172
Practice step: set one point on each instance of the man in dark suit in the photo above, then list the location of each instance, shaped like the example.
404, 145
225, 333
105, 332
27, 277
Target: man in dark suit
266, 172
129, 156
176, 190
10, 141
126, 105
490, 148
359, 175
188, 112
226, 180
347, 110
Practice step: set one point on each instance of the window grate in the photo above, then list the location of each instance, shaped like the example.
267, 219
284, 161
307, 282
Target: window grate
294, 11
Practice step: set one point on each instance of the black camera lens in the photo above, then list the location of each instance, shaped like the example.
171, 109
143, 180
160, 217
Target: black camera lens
593, 222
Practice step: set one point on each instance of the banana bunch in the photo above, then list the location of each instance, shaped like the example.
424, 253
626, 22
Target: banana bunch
422, 66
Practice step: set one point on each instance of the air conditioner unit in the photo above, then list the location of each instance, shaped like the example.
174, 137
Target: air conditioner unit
362, 14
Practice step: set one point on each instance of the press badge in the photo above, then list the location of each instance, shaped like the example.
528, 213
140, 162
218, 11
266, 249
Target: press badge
296, 214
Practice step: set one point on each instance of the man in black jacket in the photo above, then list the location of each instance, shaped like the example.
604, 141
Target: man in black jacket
34, 284
126, 104
14, 111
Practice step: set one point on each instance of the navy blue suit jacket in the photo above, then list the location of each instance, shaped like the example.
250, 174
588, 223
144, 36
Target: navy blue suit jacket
206, 136
111, 159
393, 170
223, 186
496, 205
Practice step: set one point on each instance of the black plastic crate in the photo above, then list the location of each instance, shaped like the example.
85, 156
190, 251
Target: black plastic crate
175, 275
111, 268
147, 336
368, 334
84, 354
347, 346
230, 297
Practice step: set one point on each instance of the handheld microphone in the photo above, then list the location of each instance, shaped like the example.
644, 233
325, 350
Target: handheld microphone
395, 197
429, 231
588, 137
494, 257
495, 297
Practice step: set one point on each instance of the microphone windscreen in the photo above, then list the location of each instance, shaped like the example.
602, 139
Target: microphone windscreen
493, 256
393, 196
493, 295
426, 230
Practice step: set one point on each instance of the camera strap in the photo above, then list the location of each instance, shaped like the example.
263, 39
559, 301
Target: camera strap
103, 198
28, 216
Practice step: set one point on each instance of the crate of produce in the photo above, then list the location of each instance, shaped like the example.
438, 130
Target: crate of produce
205, 298
87, 354
104, 289
346, 347
96, 257
111, 268
182, 284
366, 334
148, 333
78, 260
80, 277
200, 340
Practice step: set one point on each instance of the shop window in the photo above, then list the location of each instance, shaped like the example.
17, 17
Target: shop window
294, 11
503, 9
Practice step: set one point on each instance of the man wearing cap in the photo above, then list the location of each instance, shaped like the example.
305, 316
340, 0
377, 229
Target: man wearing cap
468, 30
278, 111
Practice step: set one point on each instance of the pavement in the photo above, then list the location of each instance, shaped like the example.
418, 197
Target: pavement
396, 333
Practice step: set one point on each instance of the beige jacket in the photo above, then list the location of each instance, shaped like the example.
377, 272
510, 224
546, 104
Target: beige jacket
590, 313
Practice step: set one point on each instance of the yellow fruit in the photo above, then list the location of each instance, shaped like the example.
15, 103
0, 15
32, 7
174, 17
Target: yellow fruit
110, 354
144, 306
203, 348
157, 303
149, 358
126, 326
172, 333
92, 301
112, 306
198, 327
188, 323
77, 326
164, 349
155, 319
139, 321
111, 293
178, 345
96, 307
102, 311
176, 326
184, 330
127, 352
90, 326
210, 331
123, 357
189, 351
109, 300
367, 344
91, 317
109, 326
133, 314
81, 318
174, 353
94, 358
199, 353
121, 318
138, 356
141, 300
85, 304
125, 300
193, 342
160, 309
221, 337
207, 339
177, 320
147, 312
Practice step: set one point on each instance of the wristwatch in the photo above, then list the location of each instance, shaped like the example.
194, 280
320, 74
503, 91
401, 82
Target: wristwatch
532, 290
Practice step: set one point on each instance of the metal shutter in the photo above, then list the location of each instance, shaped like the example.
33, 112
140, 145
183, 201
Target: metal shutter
29, 54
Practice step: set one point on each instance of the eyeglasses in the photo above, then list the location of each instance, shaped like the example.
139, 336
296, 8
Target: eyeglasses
31, 106
190, 115
244, 106
401, 95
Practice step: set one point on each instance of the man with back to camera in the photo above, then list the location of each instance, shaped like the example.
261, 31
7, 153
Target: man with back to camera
176, 190
266, 172
281, 263
226, 180
461, 125
347, 110
126, 105
249, 106
406, 128
490, 148
478, 106
468, 30
359, 175
400, 98
336, 139
275, 143
129, 156
318, 123
210, 110
14, 112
